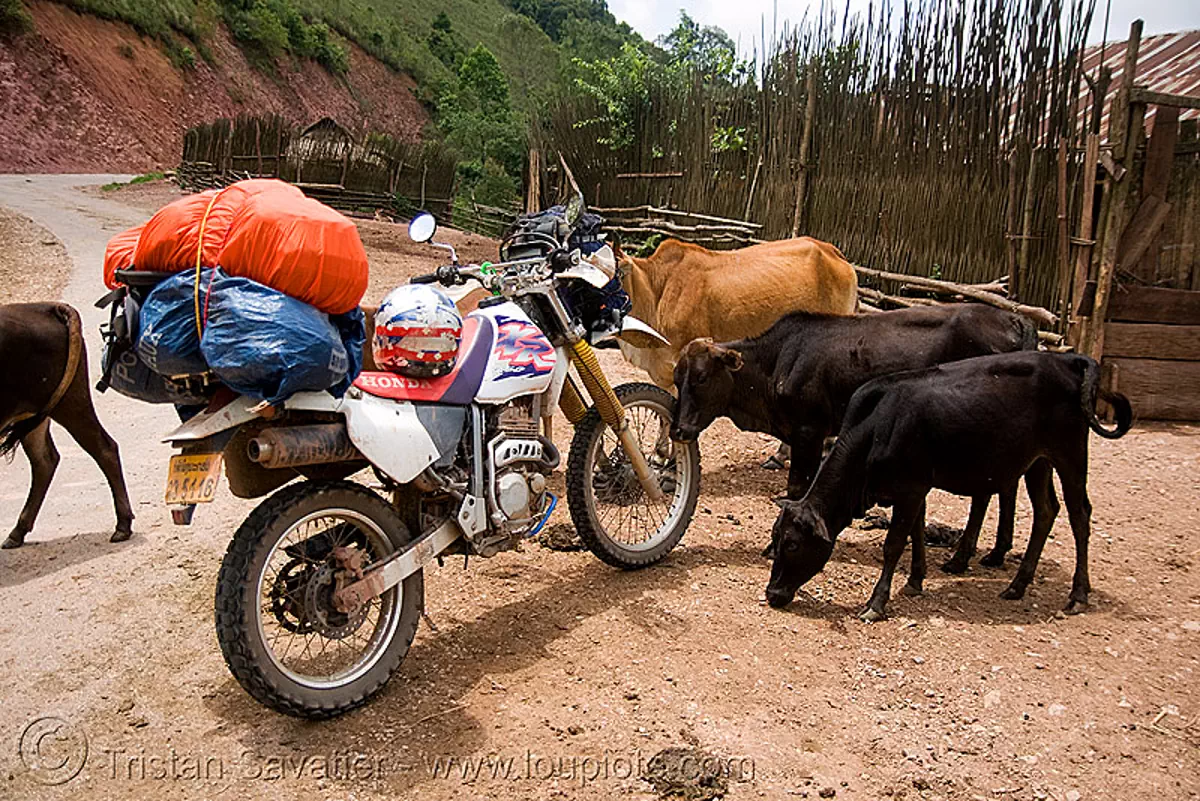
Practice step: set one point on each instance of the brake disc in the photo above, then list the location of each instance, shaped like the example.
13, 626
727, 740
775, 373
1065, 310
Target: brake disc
323, 617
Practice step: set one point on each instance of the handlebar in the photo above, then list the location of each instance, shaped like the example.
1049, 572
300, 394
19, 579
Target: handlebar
496, 276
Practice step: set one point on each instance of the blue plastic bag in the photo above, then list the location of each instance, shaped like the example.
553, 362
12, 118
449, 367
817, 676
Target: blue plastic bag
267, 345
167, 342
132, 378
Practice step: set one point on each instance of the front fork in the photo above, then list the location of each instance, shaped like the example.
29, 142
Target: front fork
611, 412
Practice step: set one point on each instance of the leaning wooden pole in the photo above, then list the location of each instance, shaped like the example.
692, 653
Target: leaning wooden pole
1027, 209
1064, 232
1077, 306
1010, 217
810, 112
1124, 131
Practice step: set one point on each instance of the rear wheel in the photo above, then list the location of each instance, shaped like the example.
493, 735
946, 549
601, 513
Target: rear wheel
614, 516
282, 636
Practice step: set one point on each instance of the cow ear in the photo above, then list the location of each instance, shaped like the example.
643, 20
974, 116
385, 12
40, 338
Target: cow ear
731, 359
782, 501
821, 531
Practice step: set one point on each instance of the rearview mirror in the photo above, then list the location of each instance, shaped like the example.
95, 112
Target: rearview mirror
422, 227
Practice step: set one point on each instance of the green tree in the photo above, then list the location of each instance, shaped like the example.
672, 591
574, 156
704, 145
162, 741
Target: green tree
707, 50
479, 122
444, 44
621, 87
14, 18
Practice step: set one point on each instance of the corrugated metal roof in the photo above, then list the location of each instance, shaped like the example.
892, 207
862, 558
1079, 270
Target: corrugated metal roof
1168, 62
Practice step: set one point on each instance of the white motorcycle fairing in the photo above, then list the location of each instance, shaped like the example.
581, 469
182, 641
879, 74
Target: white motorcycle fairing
390, 434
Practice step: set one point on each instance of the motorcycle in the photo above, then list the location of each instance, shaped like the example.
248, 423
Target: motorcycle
321, 589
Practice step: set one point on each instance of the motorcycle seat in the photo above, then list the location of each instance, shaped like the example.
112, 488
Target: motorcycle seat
458, 387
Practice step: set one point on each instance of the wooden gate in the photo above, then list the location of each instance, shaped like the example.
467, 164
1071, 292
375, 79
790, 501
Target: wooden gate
1141, 313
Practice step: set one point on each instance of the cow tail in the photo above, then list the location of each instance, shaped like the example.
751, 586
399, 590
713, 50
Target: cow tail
1089, 390
15, 432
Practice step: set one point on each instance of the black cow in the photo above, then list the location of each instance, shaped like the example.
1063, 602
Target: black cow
795, 380
969, 428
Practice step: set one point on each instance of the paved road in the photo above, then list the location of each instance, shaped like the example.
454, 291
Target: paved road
83, 616
79, 500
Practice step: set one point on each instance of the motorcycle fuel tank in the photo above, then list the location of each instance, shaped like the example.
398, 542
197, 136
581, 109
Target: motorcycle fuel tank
522, 360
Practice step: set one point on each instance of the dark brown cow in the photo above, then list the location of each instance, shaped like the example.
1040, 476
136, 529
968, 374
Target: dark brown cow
44, 364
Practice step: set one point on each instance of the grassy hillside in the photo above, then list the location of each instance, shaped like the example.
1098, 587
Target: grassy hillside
397, 32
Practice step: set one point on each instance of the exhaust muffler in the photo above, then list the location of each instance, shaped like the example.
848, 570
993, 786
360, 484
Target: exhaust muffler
297, 446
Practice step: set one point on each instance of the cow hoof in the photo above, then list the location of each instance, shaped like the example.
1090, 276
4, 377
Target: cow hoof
12, 542
773, 463
1075, 607
870, 615
911, 591
120, 536
956, 566
1012, 593
993, 559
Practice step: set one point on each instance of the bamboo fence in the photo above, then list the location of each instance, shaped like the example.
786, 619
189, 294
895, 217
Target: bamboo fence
924, 142
358, 175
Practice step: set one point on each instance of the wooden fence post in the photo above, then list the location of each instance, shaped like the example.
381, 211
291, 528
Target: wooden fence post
1031, 177
810, 112
1064, 234
753, 185
1124, 131
533, 192
258, 144
1010, 218
1083, 262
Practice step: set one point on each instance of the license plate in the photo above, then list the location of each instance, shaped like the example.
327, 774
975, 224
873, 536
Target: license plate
193, 478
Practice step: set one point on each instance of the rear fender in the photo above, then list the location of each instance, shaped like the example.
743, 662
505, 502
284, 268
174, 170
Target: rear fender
242, 410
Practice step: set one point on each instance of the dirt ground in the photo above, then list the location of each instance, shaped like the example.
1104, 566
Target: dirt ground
546, 674
34, 265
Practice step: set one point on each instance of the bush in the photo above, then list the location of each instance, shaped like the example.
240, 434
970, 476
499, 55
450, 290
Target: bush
328, 53
258, 28
14, 18
180, 56
271, 28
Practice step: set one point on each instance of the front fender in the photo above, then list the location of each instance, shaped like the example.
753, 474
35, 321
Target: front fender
636, 333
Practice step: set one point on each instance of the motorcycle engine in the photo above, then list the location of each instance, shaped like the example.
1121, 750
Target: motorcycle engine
520, 462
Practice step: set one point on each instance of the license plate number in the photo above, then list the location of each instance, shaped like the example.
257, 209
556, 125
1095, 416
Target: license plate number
193, 478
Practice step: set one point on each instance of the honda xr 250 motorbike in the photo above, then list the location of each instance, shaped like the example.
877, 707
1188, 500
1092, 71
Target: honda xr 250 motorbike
321, 589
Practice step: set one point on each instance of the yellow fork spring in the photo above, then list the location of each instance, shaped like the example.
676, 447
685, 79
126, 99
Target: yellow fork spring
607, 403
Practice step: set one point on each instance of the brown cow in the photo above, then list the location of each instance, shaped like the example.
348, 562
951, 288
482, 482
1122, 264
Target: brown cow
687, 292
44, 362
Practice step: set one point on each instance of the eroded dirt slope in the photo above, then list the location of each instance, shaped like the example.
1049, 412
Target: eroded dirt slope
80, 93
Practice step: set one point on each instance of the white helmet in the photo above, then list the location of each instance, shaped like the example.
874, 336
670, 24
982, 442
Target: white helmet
417, 332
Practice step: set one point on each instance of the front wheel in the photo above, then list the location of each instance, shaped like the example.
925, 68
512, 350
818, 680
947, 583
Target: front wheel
281, 634
610, 509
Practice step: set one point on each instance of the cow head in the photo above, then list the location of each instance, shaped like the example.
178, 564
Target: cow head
802, 546
637, 286
705, 382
